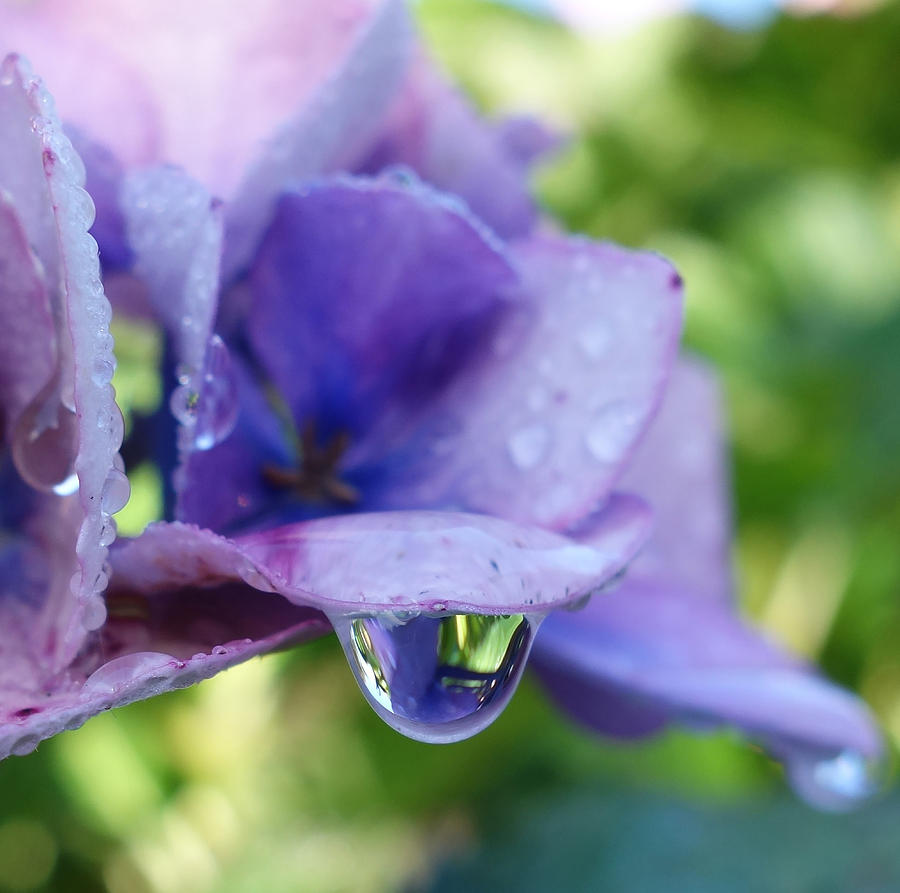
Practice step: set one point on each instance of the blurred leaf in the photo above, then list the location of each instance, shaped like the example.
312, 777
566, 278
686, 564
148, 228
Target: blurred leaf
598, 840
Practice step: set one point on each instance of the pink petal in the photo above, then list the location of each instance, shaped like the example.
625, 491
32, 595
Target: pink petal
328, 132
666, 654
188, 72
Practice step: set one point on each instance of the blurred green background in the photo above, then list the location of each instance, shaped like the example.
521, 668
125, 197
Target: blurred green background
765, 164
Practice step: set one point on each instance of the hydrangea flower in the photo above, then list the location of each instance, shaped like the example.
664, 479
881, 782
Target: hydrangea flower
404, 412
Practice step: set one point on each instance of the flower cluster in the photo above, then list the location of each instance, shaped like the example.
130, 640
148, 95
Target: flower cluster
401, 408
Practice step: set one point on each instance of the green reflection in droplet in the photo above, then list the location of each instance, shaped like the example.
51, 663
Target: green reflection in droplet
477, 642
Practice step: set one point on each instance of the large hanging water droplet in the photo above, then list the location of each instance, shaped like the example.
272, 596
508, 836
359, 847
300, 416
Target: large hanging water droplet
437, 678
45, 442
835, 783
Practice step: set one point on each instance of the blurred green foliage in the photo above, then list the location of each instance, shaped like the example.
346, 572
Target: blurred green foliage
766, 165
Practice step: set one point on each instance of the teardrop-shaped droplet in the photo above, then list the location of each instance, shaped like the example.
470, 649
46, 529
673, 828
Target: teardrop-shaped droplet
44, 443
217, 410
835, 783
183, 404
116, 491
116, 673
437, 678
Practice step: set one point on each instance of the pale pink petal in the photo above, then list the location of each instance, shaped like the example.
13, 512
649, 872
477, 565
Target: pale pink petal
209, 80
328, 132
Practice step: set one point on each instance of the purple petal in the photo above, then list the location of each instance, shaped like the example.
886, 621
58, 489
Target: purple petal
369, 297
185, 603
437, 561
435, 130
425, 561
650, 653
680, 468
43, 179
540, 434
667, 646
328, 132
223, 486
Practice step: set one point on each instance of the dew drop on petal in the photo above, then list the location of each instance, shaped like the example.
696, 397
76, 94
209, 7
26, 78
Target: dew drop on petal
108, 531
217, 411
93, 612
44, 443
528, 446
183, 404
610, 432
116, 491
594, 340
834, 783
119, 672
437, 678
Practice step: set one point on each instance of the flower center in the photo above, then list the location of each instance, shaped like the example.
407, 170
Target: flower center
316, 477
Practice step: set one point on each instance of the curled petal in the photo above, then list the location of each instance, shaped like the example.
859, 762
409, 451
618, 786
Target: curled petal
185, 603
648, 654
75, 414
392, 561
668, 646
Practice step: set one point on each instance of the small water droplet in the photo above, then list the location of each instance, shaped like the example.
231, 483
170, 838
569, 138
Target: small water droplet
611, 431
119, 672
437, 678
528, 445
835, 783
217, 410
45, 441
183, 404
93, 612
102, 371
595, 340
116, 491
108, 532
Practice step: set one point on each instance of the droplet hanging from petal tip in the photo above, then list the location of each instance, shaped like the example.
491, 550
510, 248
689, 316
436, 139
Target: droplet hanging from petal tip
437, 678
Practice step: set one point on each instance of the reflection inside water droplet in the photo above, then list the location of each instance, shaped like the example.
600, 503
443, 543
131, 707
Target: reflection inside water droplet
837, 783
437, 678
44, 442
